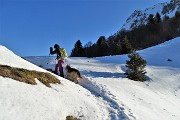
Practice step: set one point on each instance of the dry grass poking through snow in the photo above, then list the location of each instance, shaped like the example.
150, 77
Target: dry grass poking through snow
27, 76
71, 118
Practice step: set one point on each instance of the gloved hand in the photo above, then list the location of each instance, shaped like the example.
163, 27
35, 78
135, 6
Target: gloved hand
51, 49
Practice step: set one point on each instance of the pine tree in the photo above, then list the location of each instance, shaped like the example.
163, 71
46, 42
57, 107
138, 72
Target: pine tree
77, 51
101, 46
88, 44
88, 49
126, 46
136, 67
177, 14
151, 19
166, 17
158, 18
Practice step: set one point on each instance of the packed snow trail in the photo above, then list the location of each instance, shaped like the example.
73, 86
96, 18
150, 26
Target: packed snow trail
116, 112
105, 98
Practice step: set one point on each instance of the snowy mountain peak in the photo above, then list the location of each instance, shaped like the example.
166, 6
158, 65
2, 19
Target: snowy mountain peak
140, 17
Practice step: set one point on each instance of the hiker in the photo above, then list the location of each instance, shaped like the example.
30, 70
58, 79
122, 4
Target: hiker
61, 55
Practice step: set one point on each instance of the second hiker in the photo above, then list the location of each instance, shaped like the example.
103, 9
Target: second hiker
61, 55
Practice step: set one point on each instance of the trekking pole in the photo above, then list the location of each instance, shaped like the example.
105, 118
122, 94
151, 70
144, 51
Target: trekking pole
48, 59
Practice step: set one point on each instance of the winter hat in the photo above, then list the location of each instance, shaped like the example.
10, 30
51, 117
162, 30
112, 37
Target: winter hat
56, 46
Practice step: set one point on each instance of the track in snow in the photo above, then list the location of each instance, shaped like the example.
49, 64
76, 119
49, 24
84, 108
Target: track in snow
116, 112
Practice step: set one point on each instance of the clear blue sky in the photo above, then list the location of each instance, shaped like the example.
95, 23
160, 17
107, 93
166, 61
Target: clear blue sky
30, 27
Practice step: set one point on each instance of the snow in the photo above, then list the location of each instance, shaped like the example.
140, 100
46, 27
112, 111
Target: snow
140, 16
156, 8
7, 57
104, 93
23, 101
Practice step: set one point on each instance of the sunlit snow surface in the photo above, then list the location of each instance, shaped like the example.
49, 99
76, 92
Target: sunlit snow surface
104, 93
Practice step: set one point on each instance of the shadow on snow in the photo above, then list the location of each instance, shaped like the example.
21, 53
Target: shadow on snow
95, 74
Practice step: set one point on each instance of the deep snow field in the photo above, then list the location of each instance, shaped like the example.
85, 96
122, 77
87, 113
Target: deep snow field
104, 93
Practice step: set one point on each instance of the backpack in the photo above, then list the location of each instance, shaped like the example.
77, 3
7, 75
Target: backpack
63, 53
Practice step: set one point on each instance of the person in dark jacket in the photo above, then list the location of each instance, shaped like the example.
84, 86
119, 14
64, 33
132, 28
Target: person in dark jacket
60, 58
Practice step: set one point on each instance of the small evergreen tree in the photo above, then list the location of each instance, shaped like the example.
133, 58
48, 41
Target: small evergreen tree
136, 67
126, 46
166, 18
151, 19
177, 14
101, 46
88, 44
88, 49
77, 51
158, 18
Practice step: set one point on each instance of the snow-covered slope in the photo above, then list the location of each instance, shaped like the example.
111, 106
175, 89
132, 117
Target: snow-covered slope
7, 57
21, 101
156, 99
140, 17
104, 94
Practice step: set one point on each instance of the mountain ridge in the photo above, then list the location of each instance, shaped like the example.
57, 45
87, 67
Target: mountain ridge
140, 17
